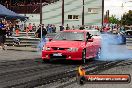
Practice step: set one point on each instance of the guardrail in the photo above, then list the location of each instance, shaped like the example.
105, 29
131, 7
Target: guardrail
23, 41
27, 41
30, 34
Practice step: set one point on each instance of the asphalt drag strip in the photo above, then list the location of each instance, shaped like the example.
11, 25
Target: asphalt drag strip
124, 67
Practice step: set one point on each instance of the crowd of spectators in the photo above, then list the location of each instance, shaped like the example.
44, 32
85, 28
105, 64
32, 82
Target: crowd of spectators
50, 28
113, 28
6, 29
16, 27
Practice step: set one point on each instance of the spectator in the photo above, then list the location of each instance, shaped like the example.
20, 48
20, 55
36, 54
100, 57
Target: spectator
53, 29
61, 28
38, 33
30, 27
17, 29
21, 26
27, 30
122, 29
34, 27
67, 27
44, 32
2, 34
73, 28
8, 29
49, 28
82, 27
11, 29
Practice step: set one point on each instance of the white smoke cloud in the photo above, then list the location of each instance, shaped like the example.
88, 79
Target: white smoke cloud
111, 50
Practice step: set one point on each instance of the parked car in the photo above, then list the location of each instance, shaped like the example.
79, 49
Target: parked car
124, 36
128, 33
72, 45
128, 37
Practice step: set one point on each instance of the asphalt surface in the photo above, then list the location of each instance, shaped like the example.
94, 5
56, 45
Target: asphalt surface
16, 72
8, 55
115, 52
123, 68
24, 71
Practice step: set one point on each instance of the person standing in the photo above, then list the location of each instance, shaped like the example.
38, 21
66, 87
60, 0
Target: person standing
8, 28
30, 27
61, 28
49, 28
2, 34
34, 27
38, 35
82, 27
67, 27
27, 31
17, 29
53, 29
11, 29
44, 32
73, 28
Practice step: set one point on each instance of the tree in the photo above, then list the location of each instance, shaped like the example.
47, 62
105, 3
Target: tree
114, 20
127, 18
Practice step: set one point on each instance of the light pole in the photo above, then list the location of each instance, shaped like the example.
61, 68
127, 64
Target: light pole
102, 13
40, 11
41, 21
62, 12
83, 14
10, 4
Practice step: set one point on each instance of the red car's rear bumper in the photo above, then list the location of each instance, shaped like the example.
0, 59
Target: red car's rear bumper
47, 55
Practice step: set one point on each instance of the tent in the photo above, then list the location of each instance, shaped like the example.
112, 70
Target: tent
8, 14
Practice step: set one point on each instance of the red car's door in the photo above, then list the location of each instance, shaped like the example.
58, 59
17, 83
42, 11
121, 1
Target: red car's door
90, 48
96, 45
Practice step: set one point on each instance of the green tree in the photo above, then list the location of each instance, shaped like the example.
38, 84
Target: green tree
127, 18
114, 20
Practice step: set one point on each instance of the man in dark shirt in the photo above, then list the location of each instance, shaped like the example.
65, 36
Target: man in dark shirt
2, 34
82, 27
38, 33
61, 28
44, 32
67, 27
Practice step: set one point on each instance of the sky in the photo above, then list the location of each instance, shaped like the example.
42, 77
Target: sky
115, 7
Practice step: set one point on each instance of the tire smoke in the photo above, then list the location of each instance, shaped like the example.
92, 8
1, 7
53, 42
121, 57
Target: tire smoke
112, 49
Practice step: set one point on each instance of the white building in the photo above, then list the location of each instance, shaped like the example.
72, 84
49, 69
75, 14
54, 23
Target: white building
52, 13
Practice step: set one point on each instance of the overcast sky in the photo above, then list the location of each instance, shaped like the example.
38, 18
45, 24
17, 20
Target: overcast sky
115, 6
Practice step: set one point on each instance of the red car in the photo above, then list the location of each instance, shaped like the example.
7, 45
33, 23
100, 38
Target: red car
72, 45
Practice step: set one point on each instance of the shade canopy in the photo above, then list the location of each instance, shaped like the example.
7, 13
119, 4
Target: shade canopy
8, 14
